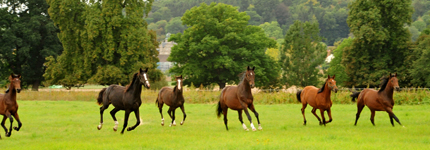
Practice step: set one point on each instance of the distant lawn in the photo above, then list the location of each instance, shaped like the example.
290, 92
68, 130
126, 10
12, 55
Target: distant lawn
73, 125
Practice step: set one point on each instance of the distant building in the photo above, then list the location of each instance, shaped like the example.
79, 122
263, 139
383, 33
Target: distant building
164, 50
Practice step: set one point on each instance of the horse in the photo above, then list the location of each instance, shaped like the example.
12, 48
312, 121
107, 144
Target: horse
239, 98
318, 99
174, 99
381, 100
8, 104
124, 98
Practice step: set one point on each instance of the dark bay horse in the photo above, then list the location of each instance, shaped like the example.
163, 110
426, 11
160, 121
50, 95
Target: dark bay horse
8, 104
174, 99
124, 98
318, 99
381, 100
239, 98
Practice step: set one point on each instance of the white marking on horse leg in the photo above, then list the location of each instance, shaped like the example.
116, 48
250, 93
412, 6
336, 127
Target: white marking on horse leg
244, 127
141, 121
252, 127
174, 123
259, 127
116, 126
182, 122
100, 126
162, 121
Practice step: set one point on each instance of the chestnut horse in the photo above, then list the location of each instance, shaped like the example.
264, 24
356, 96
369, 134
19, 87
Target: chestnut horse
174, 99
8, 104
381, 100
318, 99
239, 98
124, 98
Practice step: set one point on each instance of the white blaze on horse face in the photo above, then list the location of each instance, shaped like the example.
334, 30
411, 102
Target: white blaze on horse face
146, 79
179, 84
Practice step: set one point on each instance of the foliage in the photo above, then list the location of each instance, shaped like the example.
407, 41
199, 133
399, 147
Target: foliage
414, 33
419, 24
301, 54
272, 30
175, 26
420, 68
336, 66
381, 43
159, 28
27, 36
218, 45
104, 45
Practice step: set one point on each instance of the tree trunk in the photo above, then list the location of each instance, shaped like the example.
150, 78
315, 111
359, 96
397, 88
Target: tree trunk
35, 85
221, 85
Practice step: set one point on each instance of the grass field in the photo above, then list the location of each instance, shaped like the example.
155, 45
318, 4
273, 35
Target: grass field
73, 125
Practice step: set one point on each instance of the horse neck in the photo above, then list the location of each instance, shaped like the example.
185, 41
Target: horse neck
177, 92
389, 90
136, 88
326, 92
12, 92
244, 86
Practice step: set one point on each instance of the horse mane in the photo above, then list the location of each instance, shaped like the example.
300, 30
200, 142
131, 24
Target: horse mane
131, 84
241, 76
322, 89
384, 83
174, 88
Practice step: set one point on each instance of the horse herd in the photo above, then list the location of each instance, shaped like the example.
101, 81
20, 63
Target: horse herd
237, 98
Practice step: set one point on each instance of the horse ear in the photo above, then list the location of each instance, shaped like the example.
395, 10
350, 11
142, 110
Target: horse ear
395, 74
248, 68
181, 76
140, 70
19, 76
146, 70
253, 68
333, 76
328, 77
11, 76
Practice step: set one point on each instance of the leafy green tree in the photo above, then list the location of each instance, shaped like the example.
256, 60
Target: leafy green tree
272, 30
103, 45
27, 36
159, 27
175, 26
415, 33
161, 14
218, 45
382, 42
421, 67
419, 24
301, 54
255, 19
336, 66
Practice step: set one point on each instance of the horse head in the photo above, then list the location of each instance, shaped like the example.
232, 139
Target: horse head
331, 83
394, 81
143, 77
250, 76
179, 83
15, 82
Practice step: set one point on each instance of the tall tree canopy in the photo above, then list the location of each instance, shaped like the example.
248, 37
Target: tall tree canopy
27, 37
336, 66
219, 44
381, 43
420, 68
301, 54
105, 42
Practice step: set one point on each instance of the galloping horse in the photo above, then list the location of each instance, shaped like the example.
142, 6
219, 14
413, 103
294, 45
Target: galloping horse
124, 98
174, 99
239, 98
381, 100
8, 104
318, 99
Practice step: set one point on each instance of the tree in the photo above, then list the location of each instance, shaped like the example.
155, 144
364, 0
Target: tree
301, 54
381, 43
272, 30
420, 69
419, 24
336, 66
105, 42
218, 45
175, 26
27, 36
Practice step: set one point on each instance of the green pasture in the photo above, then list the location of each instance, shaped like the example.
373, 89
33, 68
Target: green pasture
73, 125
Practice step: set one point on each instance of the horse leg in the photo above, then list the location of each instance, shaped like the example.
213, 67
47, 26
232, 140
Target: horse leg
329, 116
16, 116
322, 116
359, 109
252, 108
245, 108
315, 114
303, 113
112, 113
239, 112
127, 114
160, 108
102, 109
183, 112
171, 112
11, 121
136, 113
372, 117
390, 112
224, 112
3, 123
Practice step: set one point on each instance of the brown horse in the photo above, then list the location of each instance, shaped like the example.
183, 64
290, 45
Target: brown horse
124, 98
239, 98
318, 99
8, 104
174, 99
381, 100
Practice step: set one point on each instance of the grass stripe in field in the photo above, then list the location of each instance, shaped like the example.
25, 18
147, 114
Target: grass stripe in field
73, 125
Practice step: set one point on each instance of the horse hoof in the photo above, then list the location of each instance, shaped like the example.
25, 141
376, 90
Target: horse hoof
260, 128
162, 124
114, 129
99, 127
246, 129
8, 134
129, 129
16, 128
254, 129
182, 123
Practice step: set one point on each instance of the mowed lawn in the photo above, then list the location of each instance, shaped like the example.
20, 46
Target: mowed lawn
73, 125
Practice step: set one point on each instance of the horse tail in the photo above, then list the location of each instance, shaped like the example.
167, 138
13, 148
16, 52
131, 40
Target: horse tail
298, 95
219, 109
100, 97
354, 95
